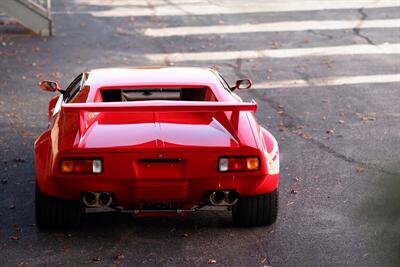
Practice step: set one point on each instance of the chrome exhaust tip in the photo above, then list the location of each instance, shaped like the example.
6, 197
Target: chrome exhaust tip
105, 199
90, 199
224, 198
96, 199
217, 197
231, 197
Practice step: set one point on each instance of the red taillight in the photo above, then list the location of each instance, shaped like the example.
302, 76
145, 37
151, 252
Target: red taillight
238, 164
81, 166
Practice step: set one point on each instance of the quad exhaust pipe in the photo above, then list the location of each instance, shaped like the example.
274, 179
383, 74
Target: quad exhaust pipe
105, 199
224, 198
97, 199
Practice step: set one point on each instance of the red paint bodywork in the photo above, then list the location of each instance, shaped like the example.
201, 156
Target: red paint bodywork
123, 133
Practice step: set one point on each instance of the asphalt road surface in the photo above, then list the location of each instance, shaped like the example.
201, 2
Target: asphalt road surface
327, 83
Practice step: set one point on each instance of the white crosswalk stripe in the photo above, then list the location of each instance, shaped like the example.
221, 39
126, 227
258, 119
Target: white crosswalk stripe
123, 8
330, 81
283, 26
277, 53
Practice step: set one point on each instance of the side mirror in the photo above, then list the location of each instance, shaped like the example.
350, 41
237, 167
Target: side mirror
49, 86
242, 84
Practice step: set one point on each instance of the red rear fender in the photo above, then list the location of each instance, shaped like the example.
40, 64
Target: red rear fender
52, 105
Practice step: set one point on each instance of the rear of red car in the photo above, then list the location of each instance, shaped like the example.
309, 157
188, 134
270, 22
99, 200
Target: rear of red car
154, 158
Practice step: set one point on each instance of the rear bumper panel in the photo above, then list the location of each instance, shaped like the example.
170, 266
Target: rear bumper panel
132, 182
131, 192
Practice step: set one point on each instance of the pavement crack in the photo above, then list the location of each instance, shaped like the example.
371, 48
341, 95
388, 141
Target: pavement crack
348, 159
169, 2
306, 77
158, 42
357, 28
236, 67
329, 36
292, 124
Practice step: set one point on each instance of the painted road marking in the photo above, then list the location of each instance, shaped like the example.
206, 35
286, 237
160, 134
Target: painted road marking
330, 81
385, 48
283, 26
132, 8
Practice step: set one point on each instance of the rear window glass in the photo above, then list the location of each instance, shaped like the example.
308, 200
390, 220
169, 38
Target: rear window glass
143, 94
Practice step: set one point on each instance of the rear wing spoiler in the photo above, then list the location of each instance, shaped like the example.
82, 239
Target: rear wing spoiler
160, 106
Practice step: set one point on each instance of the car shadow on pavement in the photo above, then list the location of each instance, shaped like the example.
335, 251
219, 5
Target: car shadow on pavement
104, 220
104, 225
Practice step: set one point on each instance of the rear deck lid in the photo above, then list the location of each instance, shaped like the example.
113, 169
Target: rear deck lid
158, 130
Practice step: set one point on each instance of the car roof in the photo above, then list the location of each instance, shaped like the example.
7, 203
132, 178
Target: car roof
151, 75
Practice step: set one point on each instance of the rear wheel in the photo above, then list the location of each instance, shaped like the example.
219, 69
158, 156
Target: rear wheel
52, 212
256, 210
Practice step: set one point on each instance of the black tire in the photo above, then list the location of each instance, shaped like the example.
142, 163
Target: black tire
256, 210
52, 212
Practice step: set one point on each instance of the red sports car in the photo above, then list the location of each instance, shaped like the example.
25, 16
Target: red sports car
154, 141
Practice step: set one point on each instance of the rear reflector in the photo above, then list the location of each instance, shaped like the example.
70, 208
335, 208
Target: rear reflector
81, 166
238, 164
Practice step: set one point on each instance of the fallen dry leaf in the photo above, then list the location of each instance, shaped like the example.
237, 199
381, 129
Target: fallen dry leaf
368, 118
211, 261
24, 263
96, 259
120, 257
360, 169
274, 45
186, 235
